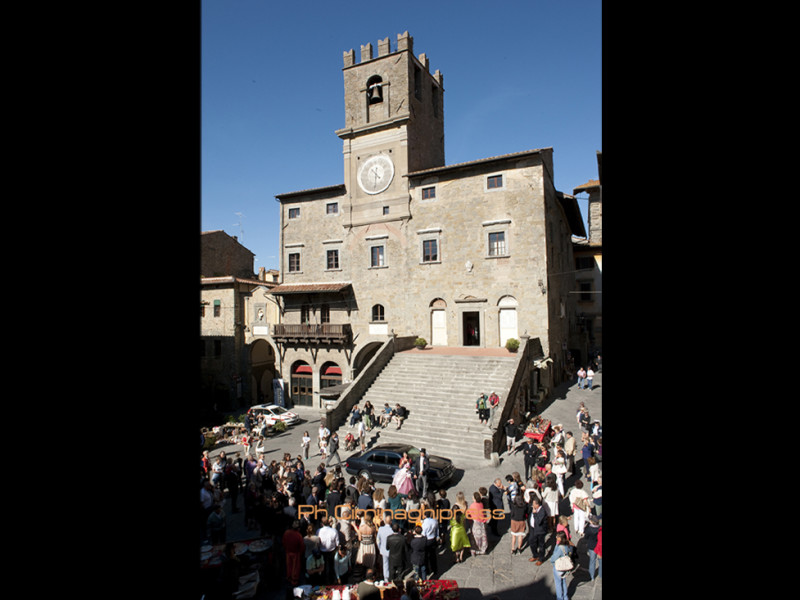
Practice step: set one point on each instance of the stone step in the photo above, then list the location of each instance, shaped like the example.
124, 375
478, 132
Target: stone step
440, 393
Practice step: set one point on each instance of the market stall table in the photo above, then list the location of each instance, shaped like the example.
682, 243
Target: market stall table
538, 429
252, 549
254, 555
431, 589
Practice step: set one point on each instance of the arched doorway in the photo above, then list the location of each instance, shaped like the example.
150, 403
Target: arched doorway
262, 371
508, 319
438, 322
329, 375
302, 384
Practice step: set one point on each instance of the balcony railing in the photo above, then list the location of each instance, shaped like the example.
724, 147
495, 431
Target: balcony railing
332, 333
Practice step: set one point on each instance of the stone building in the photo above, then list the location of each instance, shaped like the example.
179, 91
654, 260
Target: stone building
588, 253
235, 367
460, 254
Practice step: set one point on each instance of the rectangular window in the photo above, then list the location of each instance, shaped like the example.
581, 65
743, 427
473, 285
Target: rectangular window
217, 308
332, 208
494, 181
294, 213
428, 193
497, 244
430, 251
586, 291
294, 262
377, 259
386, 210
333, 259
305, 314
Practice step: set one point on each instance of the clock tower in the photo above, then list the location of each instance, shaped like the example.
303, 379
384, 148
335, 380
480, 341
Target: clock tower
394, 125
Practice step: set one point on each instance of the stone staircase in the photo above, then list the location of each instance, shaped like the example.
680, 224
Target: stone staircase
440, 393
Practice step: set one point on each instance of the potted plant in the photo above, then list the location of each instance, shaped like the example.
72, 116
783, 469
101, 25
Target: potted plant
420, 343
512, 344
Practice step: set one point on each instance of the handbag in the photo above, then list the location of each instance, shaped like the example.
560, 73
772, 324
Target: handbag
582, 503
564, 563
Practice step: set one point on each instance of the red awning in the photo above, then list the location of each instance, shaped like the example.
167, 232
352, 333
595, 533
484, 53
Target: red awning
309, 288
302, 369
333, 371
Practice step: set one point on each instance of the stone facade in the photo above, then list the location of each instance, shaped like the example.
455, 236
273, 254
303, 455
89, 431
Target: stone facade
589, 265
236, 313
221, 254
459, 255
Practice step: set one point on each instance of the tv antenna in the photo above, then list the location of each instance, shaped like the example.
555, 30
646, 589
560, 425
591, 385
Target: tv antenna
241, 231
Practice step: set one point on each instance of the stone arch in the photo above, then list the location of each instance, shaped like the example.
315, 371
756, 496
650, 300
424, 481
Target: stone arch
364, 355
262, 372
302, 383
330, 374
507, 319
438, 322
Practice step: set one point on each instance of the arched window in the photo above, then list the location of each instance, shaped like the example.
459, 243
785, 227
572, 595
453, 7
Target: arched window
507, 318
438, 322
378, 313
374, 89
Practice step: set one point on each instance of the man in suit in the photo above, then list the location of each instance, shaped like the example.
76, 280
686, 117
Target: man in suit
333, 449
319, 480
537, 530
496, 493
396, 545
418, 553
421, 473
530, 452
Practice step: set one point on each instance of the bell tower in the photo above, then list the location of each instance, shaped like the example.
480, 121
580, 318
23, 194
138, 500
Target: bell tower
394, 125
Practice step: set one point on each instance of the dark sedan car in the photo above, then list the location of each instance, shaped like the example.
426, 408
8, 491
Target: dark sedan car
381, 462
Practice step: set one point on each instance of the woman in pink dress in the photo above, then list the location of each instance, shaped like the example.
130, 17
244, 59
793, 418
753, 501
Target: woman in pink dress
402, 480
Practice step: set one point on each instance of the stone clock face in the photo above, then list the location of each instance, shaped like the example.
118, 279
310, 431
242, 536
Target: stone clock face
375, 174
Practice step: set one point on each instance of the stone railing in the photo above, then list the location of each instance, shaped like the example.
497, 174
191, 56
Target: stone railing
335, 413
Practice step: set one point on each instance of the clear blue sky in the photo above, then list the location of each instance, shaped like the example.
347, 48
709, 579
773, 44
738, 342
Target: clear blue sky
518, 75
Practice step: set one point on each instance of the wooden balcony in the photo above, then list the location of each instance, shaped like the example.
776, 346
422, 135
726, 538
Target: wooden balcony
326, 333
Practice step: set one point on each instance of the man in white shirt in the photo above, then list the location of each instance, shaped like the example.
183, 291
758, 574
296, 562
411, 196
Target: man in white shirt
383, 533
430, 529
328, 541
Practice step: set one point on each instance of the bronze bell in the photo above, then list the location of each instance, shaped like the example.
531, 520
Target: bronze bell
375, 94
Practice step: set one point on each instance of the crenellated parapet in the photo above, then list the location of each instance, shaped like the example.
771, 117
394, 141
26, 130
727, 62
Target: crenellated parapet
404, 42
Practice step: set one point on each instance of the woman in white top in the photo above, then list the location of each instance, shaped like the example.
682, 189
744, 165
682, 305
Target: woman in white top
551, 496
580, 502
560, 469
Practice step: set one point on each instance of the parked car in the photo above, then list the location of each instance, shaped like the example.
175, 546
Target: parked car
381, 462
274, 413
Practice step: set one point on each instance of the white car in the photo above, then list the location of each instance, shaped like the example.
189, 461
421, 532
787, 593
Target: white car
274, 413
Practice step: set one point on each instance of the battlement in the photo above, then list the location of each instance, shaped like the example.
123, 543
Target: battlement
404, 42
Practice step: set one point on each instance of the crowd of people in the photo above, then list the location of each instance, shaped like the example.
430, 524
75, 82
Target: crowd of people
335, 529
